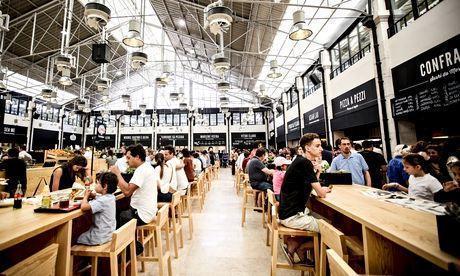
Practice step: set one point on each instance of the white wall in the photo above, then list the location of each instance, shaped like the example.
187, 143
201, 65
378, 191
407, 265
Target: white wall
20, 121
292, 113
248, 128
436, 26
311, 101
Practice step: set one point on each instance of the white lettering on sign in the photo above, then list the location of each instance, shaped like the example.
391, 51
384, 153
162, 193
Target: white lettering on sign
440, 62
313, 116
351, 102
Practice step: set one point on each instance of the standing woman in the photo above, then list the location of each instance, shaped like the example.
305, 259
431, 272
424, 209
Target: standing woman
64, 176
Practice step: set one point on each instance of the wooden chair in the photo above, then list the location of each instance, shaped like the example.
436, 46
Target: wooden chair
150, 235
187, 210
279, 231
197, 191
271, 202
250, 192
36, 177
121, 239
41, 263
175, 207
344, 246
337, 265
237, 181
208, 178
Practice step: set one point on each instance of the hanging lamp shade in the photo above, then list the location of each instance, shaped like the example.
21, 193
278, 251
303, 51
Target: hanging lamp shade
133, 38
300, 30
274, 74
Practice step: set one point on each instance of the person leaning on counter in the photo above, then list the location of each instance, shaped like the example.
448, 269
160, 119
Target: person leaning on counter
64, 176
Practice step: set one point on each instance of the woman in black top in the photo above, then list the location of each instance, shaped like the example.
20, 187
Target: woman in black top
15, 171
64, 176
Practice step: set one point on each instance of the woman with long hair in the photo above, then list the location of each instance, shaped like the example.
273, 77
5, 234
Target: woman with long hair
64, 176
164, 177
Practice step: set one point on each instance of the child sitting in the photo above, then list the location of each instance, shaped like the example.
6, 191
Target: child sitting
103, 209
281, 164
421, 183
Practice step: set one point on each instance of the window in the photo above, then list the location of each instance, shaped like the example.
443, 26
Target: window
148, 120
22, 108
251, 120
79, 120
169, 119
14, 107
236, 118
344, 50
220, 119
56, 115
259, 118
353, 40
206, 118
212, 119
294, 97
133, 120
335, 57
162, 119
183, 119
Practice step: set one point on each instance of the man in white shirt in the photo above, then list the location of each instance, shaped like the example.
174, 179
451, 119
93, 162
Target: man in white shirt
239, 161
24, 155
180, 177
141, 188
122, 163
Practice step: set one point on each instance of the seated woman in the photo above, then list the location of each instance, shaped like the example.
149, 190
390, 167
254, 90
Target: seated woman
164, 176
64, 176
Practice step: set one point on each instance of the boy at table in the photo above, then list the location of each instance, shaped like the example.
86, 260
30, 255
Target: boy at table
300, 178
103, 208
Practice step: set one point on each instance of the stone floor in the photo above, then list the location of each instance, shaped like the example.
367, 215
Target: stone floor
220, 246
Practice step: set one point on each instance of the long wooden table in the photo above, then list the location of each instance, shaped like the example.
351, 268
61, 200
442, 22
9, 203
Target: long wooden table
387, 228
29, 228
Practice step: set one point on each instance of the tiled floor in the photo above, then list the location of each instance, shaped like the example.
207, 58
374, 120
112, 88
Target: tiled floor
220, 246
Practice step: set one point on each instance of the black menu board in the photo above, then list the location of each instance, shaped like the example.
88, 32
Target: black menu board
293, 128
247, 140
356, 99
209, 139
172, 139
132, 139
280, 134
428, 82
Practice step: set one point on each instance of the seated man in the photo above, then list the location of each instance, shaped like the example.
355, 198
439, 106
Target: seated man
300, 178
141, 188
258, 172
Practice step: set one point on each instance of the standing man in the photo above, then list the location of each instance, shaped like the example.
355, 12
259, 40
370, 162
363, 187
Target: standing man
258, 172
141, 188
179, 176
351, 162
376, 162
300, 178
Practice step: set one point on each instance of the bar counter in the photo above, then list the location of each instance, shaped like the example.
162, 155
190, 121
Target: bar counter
24, 232
388, 230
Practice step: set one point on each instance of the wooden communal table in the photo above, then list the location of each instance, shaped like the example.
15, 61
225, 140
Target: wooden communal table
24, 232
391, 234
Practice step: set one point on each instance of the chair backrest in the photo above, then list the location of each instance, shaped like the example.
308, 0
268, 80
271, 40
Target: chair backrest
332, 237
175, 200
123, 236
271, 202
337, 265
274, 217
41, 263
163, 215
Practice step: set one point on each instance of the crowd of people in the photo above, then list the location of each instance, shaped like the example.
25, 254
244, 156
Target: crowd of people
424, 170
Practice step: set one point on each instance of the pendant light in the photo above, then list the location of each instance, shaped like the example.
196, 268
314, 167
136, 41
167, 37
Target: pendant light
300, 30
133, 38
274, 74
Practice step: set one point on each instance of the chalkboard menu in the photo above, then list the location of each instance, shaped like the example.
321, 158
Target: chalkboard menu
358, 98
428, 82
248, 140
209, 139
132, 139
172, 140
293, 129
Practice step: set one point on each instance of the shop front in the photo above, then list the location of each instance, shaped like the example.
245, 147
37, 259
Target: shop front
356, 114
427, 94
205, 140
45, 139
175, 140
133, 139
248, 140
14, 135
293, 132
105, 141
71, 139
313, 121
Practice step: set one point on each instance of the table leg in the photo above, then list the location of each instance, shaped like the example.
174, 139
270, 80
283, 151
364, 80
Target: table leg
63, 238
383, 256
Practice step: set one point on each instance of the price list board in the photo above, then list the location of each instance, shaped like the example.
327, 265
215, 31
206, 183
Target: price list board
209, 139
248, 140
429, 82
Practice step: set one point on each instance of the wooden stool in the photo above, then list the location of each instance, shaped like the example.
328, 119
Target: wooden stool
187, 210
41, 263
279, 231
208, 178
247, 192
175, 207
197, 192
337, 265
344, 246
121, 239
237, 181
151, 235
271, 202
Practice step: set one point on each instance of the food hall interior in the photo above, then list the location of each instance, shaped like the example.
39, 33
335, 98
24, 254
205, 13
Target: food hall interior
238, 137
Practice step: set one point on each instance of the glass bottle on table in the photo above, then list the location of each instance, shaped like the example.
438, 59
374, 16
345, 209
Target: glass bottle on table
18, 195
46, 196
87, 182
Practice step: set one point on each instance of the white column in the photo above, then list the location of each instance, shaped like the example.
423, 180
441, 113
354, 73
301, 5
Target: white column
326, 64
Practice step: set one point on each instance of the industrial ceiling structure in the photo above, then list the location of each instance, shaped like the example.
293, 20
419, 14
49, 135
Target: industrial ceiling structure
165, 53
